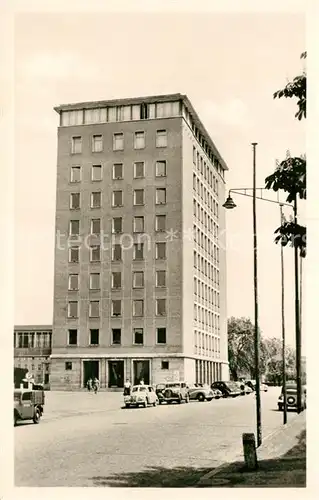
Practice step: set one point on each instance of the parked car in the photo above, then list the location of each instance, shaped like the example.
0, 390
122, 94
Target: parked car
200, 392
252, 385
228, 389
141, 395
217, 393
244, 389
28, 405
291, 397
172, 391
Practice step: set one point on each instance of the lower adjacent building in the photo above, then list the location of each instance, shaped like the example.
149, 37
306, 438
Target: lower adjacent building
32, 350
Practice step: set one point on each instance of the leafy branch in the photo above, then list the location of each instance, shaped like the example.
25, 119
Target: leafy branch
297, 88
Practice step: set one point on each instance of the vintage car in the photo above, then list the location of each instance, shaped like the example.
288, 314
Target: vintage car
172, 392
141, 395
228, 389
28, 405
200, 392
291, 397
244, 389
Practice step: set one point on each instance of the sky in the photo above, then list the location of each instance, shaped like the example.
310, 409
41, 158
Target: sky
229, 65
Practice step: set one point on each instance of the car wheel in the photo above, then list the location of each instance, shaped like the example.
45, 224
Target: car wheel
37, 416
145, 403
180, 399
187, 398
209, 399
201, 397
280, 407
127, 405
155, 403
15, 419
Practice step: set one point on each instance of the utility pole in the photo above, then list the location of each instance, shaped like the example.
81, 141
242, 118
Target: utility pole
297, 316
283, 322
257, 340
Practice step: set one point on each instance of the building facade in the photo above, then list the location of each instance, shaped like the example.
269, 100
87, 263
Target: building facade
32, 350
140, 271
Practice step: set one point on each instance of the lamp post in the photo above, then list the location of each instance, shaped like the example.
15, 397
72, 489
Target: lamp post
297, 315
283, 321
230, 204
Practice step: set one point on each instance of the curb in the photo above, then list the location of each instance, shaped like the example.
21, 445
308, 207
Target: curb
205, 480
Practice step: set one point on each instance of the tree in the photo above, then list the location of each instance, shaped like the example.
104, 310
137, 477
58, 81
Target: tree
241, 348
297, 88
274, 364
290, 174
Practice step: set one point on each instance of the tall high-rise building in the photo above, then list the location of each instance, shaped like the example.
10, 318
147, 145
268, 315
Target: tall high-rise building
140, 270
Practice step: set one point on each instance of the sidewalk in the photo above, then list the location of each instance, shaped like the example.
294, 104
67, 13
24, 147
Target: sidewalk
281, 462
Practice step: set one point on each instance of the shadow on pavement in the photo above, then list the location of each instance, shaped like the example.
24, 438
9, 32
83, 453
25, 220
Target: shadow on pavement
154, 477
287, 470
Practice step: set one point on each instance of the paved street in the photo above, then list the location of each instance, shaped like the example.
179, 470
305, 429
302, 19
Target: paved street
89, 440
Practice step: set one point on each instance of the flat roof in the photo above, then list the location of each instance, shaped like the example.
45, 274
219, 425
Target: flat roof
39, 328
148, 100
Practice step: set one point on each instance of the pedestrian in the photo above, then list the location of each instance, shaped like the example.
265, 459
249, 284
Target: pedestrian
142, 381
127, 388
96, 385
89, 384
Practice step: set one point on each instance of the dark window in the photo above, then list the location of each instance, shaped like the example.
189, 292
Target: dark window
117, 224
116, 279
116, 336
68, 365
94, 337
27, 396
165, 365
161, 335
118, 171
144, 111
73, 337
116, 307
117, 252
74, 254
138, 251
138, 336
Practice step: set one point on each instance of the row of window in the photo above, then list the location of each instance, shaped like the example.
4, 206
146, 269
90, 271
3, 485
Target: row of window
206, 317
206, 343
203, 265
204, 171
117, 225
117, 252
204, 242
116, 308
32, 339
201, 214
116, 336
117, 198
69, 365
116, 280
139, 141
105, 114
201, 238
34, 367
200, 188
118, 171
210, 205
205, 293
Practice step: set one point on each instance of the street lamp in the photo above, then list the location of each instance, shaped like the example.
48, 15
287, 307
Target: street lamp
230, 204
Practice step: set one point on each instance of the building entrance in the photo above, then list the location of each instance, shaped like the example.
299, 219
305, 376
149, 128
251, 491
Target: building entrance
90, 370
116, 373
141, 371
